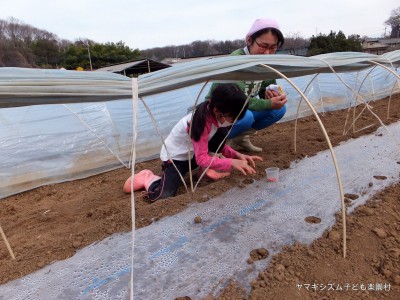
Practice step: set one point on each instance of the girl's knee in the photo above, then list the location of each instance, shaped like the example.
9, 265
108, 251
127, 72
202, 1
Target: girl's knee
159, 194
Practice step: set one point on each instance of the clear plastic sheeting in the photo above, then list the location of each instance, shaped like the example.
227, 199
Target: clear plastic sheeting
327, 93
252, 67
175, 257
45, 144
20, 87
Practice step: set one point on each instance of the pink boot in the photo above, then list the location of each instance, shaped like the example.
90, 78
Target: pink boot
143, 179
213, 175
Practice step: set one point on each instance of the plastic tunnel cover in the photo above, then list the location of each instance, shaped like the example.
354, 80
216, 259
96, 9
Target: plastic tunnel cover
46, 144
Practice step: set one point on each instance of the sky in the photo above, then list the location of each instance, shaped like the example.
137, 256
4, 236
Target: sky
146, 24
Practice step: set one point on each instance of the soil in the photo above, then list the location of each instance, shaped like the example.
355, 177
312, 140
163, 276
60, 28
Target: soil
371, 269
52, 222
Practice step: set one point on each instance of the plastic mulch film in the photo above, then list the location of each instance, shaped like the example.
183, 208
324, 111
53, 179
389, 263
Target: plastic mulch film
175, 257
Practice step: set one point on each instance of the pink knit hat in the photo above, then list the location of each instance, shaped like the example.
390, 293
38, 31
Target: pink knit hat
260, 24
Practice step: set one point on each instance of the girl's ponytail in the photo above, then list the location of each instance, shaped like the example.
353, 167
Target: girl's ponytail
199, 119
227, 98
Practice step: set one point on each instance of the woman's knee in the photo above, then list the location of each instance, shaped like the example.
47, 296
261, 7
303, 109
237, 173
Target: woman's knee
242, 125
280, 113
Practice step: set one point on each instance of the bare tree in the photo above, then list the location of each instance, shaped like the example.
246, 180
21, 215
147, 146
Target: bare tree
394, 23
294, 42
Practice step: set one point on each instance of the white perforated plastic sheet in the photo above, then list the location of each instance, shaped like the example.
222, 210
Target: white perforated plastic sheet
176, 257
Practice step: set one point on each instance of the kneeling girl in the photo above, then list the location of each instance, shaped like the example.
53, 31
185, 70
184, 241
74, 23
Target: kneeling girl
220, 111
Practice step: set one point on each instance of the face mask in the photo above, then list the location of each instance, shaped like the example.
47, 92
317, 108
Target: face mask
225, 124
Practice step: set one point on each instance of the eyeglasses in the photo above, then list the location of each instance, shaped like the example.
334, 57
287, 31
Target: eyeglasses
223, 116
267, 47
227, 116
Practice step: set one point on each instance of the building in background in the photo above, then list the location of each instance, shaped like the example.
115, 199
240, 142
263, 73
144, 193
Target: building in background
135, 68
380, 45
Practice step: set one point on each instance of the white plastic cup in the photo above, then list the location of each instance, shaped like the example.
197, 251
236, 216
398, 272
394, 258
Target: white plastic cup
272, 174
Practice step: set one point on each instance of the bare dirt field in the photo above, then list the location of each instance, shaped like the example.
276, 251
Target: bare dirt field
51, 223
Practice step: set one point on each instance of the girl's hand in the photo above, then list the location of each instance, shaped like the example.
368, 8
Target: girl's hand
249, 158
242, 166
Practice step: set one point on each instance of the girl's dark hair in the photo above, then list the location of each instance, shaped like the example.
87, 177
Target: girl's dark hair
227, 98
274, 31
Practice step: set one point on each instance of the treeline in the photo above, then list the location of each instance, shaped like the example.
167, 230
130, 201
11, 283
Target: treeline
194, 49
334, 42
22, 45
293, 43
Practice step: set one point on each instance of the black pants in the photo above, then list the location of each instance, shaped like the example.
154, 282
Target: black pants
170, 180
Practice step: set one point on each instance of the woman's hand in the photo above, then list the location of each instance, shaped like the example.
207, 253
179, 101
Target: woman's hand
278, 101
